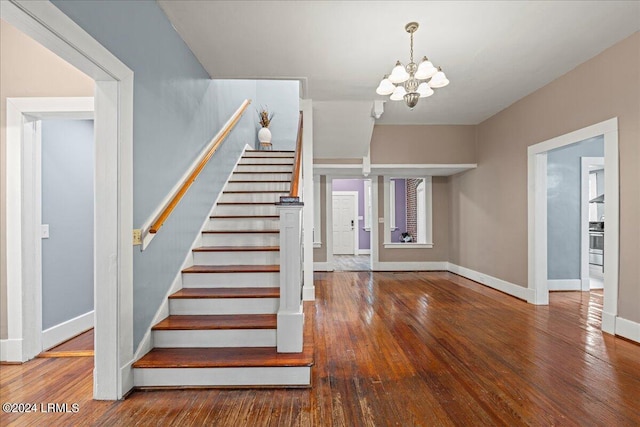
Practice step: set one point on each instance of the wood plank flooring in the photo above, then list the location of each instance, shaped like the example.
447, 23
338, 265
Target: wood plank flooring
406, 349
78, 346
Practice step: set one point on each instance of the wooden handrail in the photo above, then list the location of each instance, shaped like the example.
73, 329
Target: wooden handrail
295, 178
217, 140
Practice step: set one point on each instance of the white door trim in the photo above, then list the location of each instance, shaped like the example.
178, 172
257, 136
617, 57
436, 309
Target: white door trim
585, 284
356, 235
537, 213
46, 24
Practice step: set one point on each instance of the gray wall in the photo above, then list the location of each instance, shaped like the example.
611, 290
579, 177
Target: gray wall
563, 206
282, 98
67, 206
177, 110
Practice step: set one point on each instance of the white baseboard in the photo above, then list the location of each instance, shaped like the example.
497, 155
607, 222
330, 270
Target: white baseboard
564, 285
608, 323
322, 266
66, 330
628, 329
586, 284
411, 266
11, 350
364, 251
308, 293
493, 282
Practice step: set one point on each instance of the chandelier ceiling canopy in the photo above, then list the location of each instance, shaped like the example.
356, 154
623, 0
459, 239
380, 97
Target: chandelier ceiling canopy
413, 81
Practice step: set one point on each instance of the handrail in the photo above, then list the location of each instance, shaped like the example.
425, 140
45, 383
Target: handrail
295, 177
216, 141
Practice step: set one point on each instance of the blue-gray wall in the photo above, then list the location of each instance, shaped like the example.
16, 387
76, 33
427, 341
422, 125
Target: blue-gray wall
177, 110
563, 206
282, 98
67, 206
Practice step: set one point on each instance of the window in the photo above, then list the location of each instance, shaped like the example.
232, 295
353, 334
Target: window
408, 212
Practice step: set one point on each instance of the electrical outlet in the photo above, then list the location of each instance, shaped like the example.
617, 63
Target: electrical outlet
45, 231
137, 237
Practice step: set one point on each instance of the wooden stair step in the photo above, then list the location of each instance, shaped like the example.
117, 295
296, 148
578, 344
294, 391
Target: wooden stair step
247, 203
258, 172
202, 293
216, 322
268, 182
240, 231
223, 358
232, 269
237, 249
256, 191
246, 216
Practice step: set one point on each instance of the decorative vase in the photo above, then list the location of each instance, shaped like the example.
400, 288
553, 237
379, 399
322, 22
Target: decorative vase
264, 136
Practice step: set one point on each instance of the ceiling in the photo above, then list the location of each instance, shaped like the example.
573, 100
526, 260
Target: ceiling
493, 52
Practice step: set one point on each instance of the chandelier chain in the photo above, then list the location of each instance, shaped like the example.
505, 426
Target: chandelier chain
411, 50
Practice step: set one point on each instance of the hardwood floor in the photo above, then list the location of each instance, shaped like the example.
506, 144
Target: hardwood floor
352, 262
403, 349
78, 346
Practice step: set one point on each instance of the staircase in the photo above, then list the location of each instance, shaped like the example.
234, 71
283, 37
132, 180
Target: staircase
222, 325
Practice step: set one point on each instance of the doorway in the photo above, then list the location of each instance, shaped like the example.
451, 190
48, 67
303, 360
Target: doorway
537, 214
47, 25
345, 208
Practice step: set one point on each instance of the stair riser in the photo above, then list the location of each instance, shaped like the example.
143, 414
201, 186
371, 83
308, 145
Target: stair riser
229, 224
257, 186
260, 176
244, 239
215, 338
237, 258
230, 280
245, 210
260, 153
265, 161
251, 197
222, 377
224, 306
264, 168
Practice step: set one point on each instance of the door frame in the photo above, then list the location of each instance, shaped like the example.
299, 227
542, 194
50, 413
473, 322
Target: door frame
47, 25
356, 235
537, 215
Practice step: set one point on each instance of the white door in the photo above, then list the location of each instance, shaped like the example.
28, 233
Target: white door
343, 224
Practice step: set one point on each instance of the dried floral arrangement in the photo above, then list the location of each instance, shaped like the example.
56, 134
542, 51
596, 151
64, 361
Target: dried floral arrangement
265, 117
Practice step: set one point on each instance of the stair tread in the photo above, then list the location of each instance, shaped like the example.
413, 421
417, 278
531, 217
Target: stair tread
245, 216
240, 231
193, 293
237, 249
217, 322
255, 191
247, 203
253, 182
266, 164
260, 172
224, 358
232, 269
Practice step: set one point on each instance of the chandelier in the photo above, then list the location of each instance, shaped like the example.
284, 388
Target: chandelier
413, 81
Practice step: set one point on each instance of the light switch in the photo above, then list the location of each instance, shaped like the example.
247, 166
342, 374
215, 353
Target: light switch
360, 218
380, 220
45, 231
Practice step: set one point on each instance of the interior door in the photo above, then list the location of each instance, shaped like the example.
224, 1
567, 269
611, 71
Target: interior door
343, 224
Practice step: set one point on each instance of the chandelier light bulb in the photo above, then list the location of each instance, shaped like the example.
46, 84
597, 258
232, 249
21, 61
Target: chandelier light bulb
424, 90
438, 80
399, 74
398, 94
426, 70
385, 87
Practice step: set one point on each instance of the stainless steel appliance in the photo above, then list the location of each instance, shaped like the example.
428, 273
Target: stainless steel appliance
596, 243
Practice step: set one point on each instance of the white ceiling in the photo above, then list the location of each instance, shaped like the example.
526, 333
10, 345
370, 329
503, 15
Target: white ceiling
493, 52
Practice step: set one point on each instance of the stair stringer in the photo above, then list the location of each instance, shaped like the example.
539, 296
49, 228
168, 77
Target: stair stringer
146, 344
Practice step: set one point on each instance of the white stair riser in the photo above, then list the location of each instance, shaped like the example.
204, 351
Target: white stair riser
240, 239
245, 210
257, 186
261, 177
251, 197
237, 258
264, 161
215, 338
230, 280
264, 168
197, 306
266, 153
229, 224
212, 377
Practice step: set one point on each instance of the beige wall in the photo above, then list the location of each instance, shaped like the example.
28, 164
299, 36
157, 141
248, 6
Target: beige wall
423, 144
440, 250
489, 204
27, 70
320, 254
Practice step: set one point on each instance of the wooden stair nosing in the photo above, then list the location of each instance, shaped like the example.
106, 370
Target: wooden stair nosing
232, 269
254, 191
259, 172
184, 322
240, 231
245, 216
258, 181
237, 249
247, 203
222, 293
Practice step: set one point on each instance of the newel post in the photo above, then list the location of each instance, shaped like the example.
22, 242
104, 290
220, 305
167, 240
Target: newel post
290, 315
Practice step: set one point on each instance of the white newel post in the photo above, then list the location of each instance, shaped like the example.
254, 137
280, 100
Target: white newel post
290, 315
